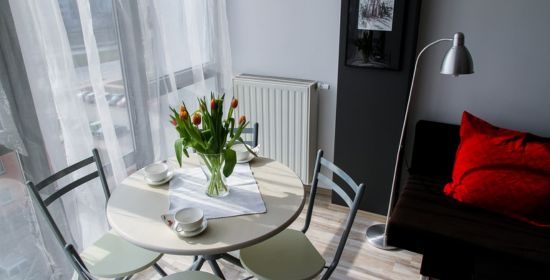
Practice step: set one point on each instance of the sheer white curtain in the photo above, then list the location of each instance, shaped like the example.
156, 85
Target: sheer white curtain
23, 252
9, 136
185, 53
64, 125
104, 75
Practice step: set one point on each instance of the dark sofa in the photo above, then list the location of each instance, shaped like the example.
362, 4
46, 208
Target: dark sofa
458, 241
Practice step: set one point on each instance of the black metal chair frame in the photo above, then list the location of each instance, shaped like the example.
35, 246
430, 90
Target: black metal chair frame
254, 131
34, 190
358, 190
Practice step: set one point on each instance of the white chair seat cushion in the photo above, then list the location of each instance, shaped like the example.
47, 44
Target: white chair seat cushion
111, 257
191, 275
288, 255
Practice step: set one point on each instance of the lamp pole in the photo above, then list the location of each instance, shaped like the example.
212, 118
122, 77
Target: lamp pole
457, 61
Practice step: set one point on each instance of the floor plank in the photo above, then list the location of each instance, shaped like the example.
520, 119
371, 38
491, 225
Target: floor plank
359, 260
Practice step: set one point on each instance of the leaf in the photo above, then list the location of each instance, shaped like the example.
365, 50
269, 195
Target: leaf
230, 161
240, 139
232, 128
209, 146
237, 135
178, 145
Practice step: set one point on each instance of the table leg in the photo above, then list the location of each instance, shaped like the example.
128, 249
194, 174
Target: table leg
212, 261
216, 268
229, 258
197, 265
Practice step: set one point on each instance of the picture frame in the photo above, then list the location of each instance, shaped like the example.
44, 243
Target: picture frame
374, 33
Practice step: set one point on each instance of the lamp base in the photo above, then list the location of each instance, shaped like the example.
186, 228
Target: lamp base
376, 237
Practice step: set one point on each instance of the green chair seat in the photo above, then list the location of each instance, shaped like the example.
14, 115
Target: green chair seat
111, 257
288, 255
191, 275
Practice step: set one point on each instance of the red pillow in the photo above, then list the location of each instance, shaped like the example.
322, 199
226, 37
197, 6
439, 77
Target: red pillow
502, 170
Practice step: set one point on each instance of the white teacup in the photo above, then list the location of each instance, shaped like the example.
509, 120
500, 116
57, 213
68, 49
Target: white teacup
185, 219
241, 151
156, 171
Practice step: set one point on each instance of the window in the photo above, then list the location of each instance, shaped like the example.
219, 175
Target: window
107, 44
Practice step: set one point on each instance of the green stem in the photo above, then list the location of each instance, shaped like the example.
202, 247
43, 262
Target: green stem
214, 163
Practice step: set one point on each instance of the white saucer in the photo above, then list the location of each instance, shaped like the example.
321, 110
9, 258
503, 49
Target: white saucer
194, 232
161, 182
250, 157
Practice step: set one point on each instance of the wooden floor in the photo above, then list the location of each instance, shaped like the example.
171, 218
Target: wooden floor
359, 260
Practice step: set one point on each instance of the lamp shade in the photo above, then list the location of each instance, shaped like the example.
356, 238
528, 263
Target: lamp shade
458, 60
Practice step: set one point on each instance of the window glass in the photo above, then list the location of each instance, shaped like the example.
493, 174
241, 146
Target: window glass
107, 43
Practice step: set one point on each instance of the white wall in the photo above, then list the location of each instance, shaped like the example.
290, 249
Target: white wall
289, 38
510, 43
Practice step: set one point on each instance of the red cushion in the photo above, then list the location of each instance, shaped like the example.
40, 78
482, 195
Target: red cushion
502, 170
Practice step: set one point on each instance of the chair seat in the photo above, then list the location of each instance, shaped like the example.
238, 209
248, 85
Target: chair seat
111, 257
191, 275
288, 255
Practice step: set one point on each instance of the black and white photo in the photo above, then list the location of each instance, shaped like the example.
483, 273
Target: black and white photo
375, 29
375, 15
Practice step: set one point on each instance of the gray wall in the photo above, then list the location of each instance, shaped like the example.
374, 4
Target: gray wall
289, 38
508, 39
510, 43
370, 109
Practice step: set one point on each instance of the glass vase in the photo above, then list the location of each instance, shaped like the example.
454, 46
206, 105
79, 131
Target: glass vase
212, 166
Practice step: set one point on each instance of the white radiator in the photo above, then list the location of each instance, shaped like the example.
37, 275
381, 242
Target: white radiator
286, 110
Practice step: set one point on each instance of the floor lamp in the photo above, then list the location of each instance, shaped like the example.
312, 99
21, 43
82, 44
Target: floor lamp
457, 61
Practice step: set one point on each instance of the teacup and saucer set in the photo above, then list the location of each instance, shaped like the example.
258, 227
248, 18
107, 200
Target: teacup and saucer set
157, 174
186, 222
243, 155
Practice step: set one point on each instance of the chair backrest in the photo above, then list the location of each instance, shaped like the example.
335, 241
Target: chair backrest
43, 203
353, 204
254, 131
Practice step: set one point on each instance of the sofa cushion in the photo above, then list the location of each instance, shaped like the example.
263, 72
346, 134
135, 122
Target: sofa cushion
434, 149
502, 170
424, 219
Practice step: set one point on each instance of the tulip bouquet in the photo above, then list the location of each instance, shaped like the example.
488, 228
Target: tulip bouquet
211, 136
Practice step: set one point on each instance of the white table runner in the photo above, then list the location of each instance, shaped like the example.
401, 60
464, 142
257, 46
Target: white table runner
187, 189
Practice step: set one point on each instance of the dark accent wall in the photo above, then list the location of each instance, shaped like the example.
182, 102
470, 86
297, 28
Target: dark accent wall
369, 114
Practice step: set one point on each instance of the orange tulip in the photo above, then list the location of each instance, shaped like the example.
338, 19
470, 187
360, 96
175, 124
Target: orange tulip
173, 121
242, 120
213, 104
234, 103
184, 115
196, 119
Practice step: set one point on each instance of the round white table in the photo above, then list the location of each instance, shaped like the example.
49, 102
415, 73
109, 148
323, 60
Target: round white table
134, 210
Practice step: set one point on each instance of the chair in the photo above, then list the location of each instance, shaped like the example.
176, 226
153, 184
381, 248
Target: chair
254, 131
110, 256
290, 254
79, 266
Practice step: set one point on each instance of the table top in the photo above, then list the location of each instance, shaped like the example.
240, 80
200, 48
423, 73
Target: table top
134, 211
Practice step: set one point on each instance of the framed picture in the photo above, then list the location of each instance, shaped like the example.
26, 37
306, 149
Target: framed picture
374, 33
